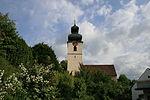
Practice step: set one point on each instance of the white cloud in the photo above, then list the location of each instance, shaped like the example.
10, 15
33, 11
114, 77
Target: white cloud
145, 10
104, 10
141, 29
87, 2
61, 49
97, 49
131, 30
88, 31
132, 64
121, 2
59, 10
125, 17
125, 43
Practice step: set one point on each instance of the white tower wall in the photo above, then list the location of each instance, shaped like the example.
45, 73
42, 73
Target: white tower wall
74, 57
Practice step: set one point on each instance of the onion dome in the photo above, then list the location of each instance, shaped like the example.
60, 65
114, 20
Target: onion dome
74, 29
74, 36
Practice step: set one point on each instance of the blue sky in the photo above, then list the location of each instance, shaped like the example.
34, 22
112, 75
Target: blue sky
114, 31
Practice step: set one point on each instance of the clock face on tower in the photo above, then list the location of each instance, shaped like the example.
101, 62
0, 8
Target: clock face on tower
74, 43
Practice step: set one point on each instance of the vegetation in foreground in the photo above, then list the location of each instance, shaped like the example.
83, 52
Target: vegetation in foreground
28, 73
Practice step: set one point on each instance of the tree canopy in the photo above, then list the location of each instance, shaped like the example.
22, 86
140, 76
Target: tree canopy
12, 47
43, 54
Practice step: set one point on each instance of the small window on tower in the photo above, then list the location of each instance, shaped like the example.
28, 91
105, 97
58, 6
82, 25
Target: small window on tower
75, 48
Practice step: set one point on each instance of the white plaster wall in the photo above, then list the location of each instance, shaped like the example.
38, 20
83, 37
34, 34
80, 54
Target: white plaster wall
70, 48
145, 75
136, 93
74, 57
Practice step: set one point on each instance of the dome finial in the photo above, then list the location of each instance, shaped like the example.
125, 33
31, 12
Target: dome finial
74, 21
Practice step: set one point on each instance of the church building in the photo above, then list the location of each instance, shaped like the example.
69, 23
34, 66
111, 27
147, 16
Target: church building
74, 55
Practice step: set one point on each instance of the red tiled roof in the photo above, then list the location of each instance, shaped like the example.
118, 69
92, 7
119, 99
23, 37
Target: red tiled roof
108, 69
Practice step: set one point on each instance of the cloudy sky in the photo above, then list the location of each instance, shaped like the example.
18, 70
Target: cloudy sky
114, 31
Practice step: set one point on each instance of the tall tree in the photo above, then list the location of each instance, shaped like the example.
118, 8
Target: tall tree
45, 55
63, 65
12, 47
7, 31
7, 27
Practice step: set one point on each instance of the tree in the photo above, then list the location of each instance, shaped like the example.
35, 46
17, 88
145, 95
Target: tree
79, 91
44, 55
124, 86
123, 79
101, 87
16, 51
8, 68
65, 84
12, 47
7, 27
63, 65
99, 76
36, 82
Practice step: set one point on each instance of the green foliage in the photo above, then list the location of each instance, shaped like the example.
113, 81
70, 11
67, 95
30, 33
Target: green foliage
37, 82
12, 47
65, 84
16, 51
44, 55
71, 88
7, 27
79, 90
95, 76
2, 91
125, 85
11, 88
101, 87
9, 69
124, 80
42, 82
63, 65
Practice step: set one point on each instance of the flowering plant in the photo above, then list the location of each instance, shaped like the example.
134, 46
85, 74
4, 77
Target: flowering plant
36, 82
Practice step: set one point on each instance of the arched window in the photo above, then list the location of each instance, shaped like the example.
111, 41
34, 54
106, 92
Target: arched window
75, 48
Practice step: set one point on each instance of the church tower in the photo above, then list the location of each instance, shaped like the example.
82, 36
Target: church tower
74, 50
